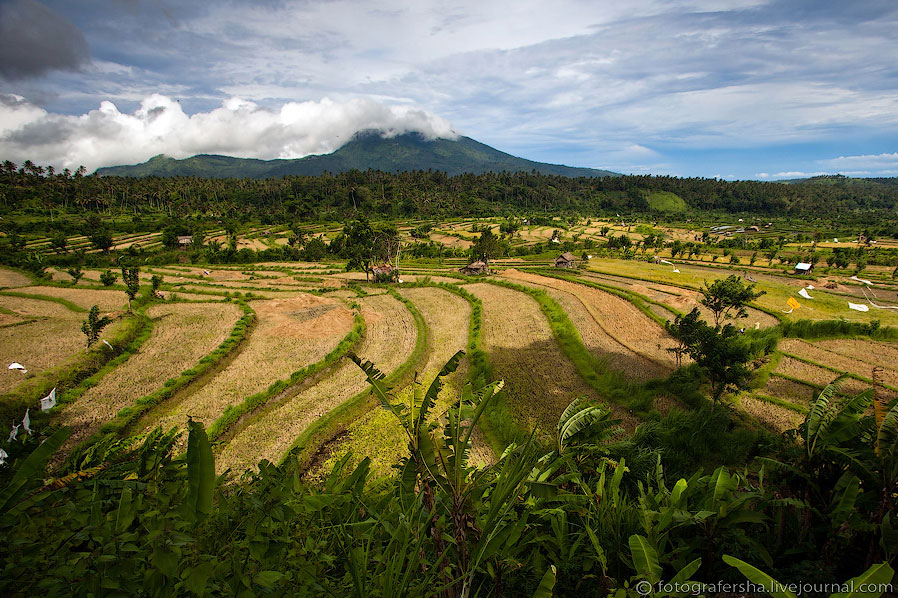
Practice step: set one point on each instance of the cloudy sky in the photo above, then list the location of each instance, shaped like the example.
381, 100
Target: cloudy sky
726, 88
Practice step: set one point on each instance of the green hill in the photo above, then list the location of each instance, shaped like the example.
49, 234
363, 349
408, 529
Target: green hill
368, 150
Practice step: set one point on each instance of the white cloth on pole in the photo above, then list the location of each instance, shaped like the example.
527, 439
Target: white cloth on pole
3, 456
791, 309
666, 262
810, 287
870, 301
14, 431
861, 280
17, 366
676, 270
858, 306
804, 293
49, 401
26, 422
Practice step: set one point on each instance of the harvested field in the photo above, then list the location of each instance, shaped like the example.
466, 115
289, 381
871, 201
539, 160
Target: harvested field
815, 375
389, 340
789, 390
378, 435
450, 241
86, 298
288, 334
42, 343
182, 334
611, 327
878, 353
772, 416
683, 300
540, 381
812, 352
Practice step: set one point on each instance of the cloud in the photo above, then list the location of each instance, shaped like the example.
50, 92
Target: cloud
34, 40
882, 164
241, 128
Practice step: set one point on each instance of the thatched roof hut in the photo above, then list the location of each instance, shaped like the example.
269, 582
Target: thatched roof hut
385, 273
566, 260
476, 268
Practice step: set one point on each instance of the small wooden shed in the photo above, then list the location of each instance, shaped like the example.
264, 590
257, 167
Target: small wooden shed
184, 240
566, 260
476, 268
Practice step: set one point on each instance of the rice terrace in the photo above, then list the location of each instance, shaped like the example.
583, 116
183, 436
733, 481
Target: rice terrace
470, 300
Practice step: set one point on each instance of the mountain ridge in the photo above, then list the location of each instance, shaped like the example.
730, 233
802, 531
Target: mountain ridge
366, 150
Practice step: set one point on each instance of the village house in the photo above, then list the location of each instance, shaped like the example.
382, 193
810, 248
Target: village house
566, 260
803, 268
184, 240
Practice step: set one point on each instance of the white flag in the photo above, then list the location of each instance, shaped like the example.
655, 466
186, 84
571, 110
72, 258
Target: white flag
858, 306
861, 280
14, 431
26, 422
17, 366
804, 293
3, 456
810, 287
49, 401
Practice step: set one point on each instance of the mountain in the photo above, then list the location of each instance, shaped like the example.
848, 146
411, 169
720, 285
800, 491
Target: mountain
407, 152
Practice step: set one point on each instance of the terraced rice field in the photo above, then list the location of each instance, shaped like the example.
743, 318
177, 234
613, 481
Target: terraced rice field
540, 381
105, 300
612, 328
288, 335
378, 434
815, 375
44, 342
882, 354
838, 360
390, 339
789, 390
182, 334
774, 416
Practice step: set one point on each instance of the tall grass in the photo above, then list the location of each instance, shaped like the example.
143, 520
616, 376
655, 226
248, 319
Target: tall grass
837, 328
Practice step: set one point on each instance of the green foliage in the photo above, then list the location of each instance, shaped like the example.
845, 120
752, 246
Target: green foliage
131, 279
726, 296
108, 278
93, 325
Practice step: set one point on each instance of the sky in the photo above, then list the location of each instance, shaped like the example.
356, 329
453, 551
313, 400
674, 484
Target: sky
735, 89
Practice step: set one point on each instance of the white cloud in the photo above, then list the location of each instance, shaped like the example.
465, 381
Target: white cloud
238, 128
864, 163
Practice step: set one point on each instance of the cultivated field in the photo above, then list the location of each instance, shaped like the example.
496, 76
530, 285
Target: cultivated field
288, 335
389, 340
182, 334
378, 434
539, 380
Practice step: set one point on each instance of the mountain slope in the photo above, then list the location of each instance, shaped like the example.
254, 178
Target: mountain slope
407, 152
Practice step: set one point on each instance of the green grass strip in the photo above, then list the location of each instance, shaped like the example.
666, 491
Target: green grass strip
63, 302
233, 413
128, 415
328, 425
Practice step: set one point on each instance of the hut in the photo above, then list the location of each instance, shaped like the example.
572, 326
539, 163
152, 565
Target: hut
566, 260
184, 240
476, 268
385, 273
803, 268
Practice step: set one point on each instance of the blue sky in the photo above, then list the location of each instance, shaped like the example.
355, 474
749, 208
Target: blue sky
731, 89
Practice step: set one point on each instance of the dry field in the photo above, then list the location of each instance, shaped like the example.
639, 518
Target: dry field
11, 278
288, 334
182, 334
42, 343
540, 382
789, 390
815, 375
389, 340
450, 241
812, 352
683, 300
378, 434
86, 298
616, 329
878, 353
773, 416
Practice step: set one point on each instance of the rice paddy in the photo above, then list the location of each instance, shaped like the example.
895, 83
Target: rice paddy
182, 334
288, 334
389, 340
